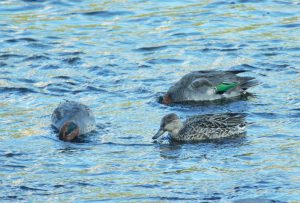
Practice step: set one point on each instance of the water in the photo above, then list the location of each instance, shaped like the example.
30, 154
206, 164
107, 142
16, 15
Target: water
118, 57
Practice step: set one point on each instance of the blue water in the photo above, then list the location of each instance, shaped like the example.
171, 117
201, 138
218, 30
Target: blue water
117, 57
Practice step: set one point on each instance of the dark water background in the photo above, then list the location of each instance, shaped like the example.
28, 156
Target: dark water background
118, 57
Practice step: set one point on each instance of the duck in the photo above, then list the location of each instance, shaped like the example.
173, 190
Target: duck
202, 127
209, 86
72, 119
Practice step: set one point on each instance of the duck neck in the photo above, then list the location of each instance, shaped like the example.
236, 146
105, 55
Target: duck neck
175, 132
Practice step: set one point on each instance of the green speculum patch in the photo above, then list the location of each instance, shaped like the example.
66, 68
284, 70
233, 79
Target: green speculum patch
224, 87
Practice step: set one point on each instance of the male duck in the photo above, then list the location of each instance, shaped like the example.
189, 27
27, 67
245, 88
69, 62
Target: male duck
72, 119
202, 127
208, 86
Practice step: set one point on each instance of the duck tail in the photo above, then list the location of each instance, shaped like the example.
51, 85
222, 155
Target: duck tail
236, 118
248, 82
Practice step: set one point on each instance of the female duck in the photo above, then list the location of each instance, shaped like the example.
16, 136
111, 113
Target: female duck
208, 86
72, 119
203, 127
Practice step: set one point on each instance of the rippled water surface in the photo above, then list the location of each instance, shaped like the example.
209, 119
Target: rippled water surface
118, 56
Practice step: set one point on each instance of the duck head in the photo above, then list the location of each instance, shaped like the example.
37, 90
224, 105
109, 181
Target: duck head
170, 123
69, 131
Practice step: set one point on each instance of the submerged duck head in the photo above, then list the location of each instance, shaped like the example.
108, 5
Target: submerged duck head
69, 131
170, 123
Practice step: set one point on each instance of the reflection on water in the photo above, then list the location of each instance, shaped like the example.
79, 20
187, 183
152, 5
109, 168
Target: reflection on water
118, 57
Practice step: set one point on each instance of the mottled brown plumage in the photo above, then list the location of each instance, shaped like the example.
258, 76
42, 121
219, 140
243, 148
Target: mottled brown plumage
202, 127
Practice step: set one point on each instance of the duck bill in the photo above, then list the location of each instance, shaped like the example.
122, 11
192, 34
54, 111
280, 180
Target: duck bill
158, 134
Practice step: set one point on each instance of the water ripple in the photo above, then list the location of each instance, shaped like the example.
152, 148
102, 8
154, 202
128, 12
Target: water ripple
8, 56
105, 14
26, 39
150, 49
22, 90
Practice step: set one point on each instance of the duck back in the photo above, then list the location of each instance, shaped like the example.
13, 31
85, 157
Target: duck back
212, 126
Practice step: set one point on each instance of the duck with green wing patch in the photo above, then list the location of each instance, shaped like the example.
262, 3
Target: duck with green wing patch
209, 86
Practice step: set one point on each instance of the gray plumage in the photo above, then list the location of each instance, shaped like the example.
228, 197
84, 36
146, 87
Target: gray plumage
202, 127
201, 86
76, 112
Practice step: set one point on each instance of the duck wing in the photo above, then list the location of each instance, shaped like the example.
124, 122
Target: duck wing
226, 80
226, 120
212, 126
